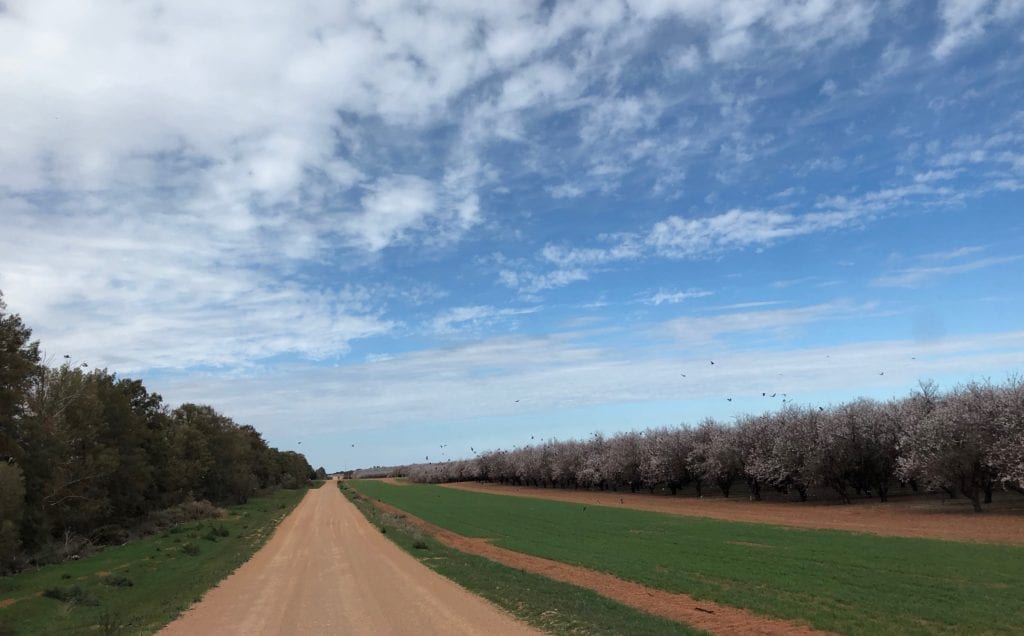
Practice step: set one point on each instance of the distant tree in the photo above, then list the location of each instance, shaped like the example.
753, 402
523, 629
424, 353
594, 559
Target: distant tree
1008, 448
12, 503
19, 364
951, 445
716, 455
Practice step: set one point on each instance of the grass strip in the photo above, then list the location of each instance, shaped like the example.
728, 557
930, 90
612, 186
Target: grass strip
141, 586
836, 581
551, 606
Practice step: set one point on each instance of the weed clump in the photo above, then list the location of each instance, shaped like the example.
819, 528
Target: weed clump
118, 580
216, 532
73, 595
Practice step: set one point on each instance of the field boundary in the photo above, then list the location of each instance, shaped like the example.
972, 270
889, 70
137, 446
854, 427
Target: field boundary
701, 614
927, 518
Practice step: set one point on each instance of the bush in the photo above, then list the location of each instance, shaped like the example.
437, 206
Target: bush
118, 580
216, 532
420, 544
190, 549
74, 595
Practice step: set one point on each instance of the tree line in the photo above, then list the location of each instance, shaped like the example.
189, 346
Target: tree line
968, 441
86, 457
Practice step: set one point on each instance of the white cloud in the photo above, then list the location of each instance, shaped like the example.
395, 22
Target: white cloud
171, 291
677, 237
473, 318
396, 206
531, 282
915, 276
673, 298
482, 379
967, 20
699, 330
566, 191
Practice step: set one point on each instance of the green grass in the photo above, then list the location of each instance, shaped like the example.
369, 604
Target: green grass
142, 586
837, 581
554, 607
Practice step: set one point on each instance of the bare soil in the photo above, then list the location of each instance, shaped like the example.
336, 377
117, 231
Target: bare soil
702, 614
326, 570
929, 516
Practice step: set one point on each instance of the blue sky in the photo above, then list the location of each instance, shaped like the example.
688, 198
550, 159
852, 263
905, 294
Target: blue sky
376, 228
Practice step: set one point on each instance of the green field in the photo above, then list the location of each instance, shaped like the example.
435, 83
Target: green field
141, 586
837, 581
554, 607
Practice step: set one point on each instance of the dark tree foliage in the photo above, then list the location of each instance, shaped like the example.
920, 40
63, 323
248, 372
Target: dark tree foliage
86, 456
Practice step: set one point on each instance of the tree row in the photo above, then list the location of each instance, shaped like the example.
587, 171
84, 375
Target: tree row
86, 457
968, 441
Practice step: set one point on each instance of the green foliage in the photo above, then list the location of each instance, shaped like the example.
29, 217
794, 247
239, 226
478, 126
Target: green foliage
87, 458
551, 606
837, 581
163, 581
117, 580
73, 595
12, 500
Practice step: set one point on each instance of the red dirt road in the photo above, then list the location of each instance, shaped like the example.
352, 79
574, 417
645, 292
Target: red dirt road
326, 570
928, 517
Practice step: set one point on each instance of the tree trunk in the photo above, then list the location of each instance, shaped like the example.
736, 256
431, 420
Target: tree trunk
802, 490
755, 490
972, 492
989, 487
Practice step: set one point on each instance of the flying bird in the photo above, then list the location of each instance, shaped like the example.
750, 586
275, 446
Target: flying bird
683, 374
66, 355
517, 401
763, 393
881, 373
712, 361
773, 395
729, 399
821, 408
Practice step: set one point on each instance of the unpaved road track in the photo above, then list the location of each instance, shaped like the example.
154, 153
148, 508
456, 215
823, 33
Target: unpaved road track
326, 570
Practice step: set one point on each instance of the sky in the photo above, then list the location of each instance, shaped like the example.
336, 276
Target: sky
373, 228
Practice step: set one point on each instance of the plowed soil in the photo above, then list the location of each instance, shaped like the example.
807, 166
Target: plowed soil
930, 517
326, 570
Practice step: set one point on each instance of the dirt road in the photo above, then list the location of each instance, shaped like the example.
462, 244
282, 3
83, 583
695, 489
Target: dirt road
326, 570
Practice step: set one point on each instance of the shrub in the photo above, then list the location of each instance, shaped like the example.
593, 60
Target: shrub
190, 549
74, 595
216, 532
118, 580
